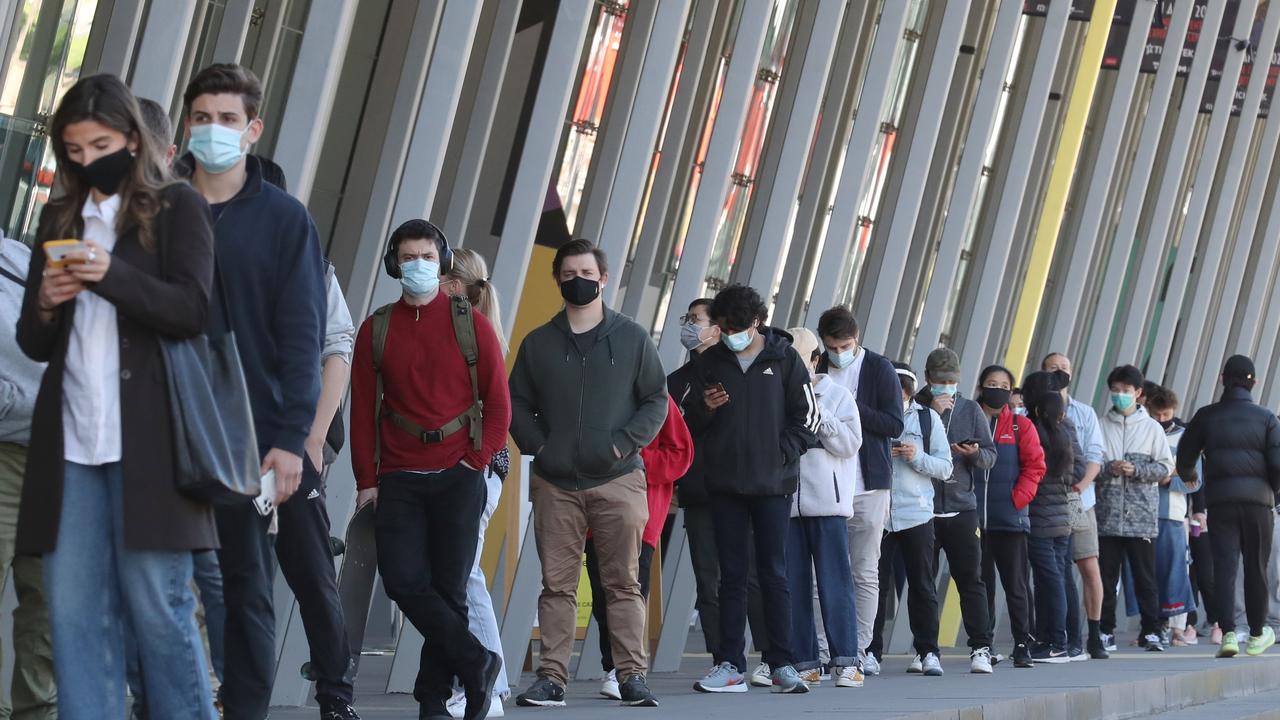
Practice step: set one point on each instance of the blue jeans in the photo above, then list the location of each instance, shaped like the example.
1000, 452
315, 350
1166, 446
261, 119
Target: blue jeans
1048, 558
1074, 639
99, 589
820, 546
481, 619
208, 576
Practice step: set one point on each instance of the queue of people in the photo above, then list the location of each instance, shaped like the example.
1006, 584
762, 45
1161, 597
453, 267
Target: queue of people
817, 476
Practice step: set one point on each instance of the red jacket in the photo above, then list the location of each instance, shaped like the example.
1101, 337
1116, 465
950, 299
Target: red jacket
666, 460
426, 381
1031, 465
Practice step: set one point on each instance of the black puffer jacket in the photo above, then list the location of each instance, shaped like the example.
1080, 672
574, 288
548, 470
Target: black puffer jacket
1051, 507
1240, 441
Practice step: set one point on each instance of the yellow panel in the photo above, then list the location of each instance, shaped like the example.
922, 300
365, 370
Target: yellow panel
1064, 168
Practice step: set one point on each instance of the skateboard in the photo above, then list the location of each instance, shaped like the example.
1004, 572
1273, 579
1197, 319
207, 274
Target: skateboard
355, 579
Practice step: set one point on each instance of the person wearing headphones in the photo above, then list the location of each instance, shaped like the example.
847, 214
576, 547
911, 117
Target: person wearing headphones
429, 410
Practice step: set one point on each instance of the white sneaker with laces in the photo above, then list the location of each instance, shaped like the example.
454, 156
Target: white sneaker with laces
870, 665
762, 676
917, 666
457, 706
609, 687
848, 677
932, 665
980, 661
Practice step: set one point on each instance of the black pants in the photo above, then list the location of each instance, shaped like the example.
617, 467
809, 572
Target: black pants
958, 537
762, 521
1007, 552
426, 529
1202, 579
705, 559
600, 607
916, 546
306, 561
1141, 553
1241, 530
249, 654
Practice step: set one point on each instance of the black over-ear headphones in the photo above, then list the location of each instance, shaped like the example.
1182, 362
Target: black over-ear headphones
417, 230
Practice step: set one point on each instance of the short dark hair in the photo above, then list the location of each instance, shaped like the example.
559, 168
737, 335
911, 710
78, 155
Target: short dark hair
226, 79
581, 246
156, 121
415, 230
1126, 375
1235, 381
993, 369
1159, 397
702, 303
837, 322
738, 307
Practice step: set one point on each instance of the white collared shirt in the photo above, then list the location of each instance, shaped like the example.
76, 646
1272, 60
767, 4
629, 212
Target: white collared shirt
91, 381
849, 378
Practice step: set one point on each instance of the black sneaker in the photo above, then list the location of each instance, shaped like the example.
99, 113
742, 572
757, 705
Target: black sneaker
544, 692
1022, 656
478, 685
635, 693
335, 709
1098, 651
1045, 653
1152, 643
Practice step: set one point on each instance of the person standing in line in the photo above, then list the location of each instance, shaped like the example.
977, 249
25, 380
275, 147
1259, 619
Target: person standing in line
955, 527
757, 414
666, 458
817, 543
875, 386
429, 410
588, 392
469, 278
1051, 511
921, 455
1004, 493
698, 334
1238, 442
1138, 460
100, 500
1084, 530
34, 695
256, 224
1172, 575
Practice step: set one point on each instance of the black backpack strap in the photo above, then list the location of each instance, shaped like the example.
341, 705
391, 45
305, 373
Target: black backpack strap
22, 283
381, 323
926, 427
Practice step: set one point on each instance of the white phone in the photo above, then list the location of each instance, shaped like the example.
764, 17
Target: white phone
266, 500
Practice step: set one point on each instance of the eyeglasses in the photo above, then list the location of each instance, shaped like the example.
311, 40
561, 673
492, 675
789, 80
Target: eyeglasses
696, 320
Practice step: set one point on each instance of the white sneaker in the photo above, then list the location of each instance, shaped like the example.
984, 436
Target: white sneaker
870, 665
980, 661
762, 676
932, 665
609, 688
812, 678
849, 677
917, 666
457, 706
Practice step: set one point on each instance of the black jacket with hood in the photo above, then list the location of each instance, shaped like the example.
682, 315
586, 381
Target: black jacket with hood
571, 411
752, 445
1240, 442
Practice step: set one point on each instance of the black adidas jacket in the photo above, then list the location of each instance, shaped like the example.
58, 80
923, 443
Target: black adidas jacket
753, 444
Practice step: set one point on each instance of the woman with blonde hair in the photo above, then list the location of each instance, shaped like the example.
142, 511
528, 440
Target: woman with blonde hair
470, 278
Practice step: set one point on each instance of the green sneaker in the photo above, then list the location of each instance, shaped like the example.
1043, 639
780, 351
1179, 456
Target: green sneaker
1229, 647
1258, 645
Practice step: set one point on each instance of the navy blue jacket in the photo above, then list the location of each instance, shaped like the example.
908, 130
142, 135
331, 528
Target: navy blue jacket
880, 409
271, 267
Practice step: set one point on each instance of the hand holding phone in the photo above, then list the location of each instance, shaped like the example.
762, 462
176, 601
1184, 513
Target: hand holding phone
715, 395
266, 500
61, 253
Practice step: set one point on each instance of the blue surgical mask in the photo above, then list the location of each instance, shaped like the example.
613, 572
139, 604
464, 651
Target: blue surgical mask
738, 342
691, 335
1020, 411
841, 360
420, 278
216, 147
944, 389
1122, 401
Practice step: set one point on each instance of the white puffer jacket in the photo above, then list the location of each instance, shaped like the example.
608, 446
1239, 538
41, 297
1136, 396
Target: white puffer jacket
826, 472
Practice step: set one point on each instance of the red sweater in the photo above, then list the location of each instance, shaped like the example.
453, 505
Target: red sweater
666, 460
425, 380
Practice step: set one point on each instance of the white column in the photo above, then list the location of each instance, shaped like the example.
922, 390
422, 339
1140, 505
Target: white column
163, 42
235, 28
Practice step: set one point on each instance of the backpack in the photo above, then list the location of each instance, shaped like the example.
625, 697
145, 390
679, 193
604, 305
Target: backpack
464, 329
926, 427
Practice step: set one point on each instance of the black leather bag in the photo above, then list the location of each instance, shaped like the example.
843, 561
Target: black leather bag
216, 448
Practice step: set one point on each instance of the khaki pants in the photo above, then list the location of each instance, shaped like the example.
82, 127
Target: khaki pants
616, 513
34, 694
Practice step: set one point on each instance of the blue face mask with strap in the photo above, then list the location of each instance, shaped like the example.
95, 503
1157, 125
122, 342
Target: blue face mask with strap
841, 360
420, 278
216, 147
738, 342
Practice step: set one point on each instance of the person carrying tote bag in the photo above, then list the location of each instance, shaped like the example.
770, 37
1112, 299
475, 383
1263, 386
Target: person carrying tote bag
100, 502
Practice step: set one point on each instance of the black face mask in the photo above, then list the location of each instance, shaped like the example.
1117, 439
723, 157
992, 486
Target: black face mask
579, 291
1064, 378
994, 397
107, 172
1167, 424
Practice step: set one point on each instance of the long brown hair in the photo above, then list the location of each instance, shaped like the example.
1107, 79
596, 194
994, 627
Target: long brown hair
470, 269
106, 100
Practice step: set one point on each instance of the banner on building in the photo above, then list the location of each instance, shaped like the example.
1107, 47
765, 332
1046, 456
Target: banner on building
1080, 9
1120, 22
1222, 47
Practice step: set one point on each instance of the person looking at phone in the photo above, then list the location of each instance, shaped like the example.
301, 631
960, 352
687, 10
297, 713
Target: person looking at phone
272, 272
587, 393
921, 455
756, 413
100, 501
954, 503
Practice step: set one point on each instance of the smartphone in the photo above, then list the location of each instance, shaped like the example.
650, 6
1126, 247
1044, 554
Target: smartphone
969, 442
58, 250
266, 500
895, 443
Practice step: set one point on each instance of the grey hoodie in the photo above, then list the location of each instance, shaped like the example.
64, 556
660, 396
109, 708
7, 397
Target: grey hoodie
571, 412
965, 421
19, 376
